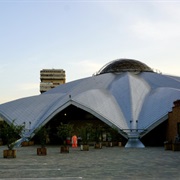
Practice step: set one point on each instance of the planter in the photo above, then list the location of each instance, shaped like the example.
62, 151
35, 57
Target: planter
41, 151
31, 143
168, 146
25, 143
176, 146
98, 145
84, 147
109, 144
64, 149
9, 153
120, 144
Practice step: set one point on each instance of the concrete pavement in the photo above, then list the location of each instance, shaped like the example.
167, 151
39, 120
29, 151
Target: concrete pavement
108, 163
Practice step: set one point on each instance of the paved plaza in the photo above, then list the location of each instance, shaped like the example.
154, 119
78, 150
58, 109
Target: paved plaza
106, 163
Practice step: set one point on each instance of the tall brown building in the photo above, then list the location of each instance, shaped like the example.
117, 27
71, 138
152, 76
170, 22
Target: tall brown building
51, 78
174, 122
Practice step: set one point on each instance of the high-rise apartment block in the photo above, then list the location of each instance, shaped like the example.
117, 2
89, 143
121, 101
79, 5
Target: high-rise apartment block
51, 78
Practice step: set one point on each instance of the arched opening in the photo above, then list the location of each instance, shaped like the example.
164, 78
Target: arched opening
77, 117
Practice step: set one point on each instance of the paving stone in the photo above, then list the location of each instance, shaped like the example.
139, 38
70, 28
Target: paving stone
108, 163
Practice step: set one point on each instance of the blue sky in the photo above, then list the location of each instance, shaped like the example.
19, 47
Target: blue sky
81, 37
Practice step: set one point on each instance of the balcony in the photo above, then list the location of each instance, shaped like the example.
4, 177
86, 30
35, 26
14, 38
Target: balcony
46, 86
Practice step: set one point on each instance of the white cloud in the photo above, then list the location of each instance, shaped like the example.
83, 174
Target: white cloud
170, 8
84, 68
17, 91
161, 23
156, 30
3, 68
29, 86
88, 65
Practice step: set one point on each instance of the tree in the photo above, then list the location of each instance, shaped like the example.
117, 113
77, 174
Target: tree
85, 132
41, 135
97, 133
64, 131
10, 133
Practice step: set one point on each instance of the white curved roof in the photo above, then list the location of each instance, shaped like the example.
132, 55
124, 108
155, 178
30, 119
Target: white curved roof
128, 100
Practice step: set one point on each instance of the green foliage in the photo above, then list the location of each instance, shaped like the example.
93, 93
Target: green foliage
64, 131
42, 134
97, 133
10, 133
114, 134
85, 132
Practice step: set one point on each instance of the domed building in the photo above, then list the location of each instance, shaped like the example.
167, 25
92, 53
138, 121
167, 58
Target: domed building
125, 93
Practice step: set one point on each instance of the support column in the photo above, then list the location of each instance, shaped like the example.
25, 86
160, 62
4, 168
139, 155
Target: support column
134, 141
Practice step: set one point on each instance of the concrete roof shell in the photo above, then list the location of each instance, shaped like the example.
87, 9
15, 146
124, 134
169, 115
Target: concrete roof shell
128, 100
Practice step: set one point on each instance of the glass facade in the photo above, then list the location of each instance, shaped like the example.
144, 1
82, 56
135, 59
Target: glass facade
123, 65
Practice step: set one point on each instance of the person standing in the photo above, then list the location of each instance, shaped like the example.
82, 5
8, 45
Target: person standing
74, 141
